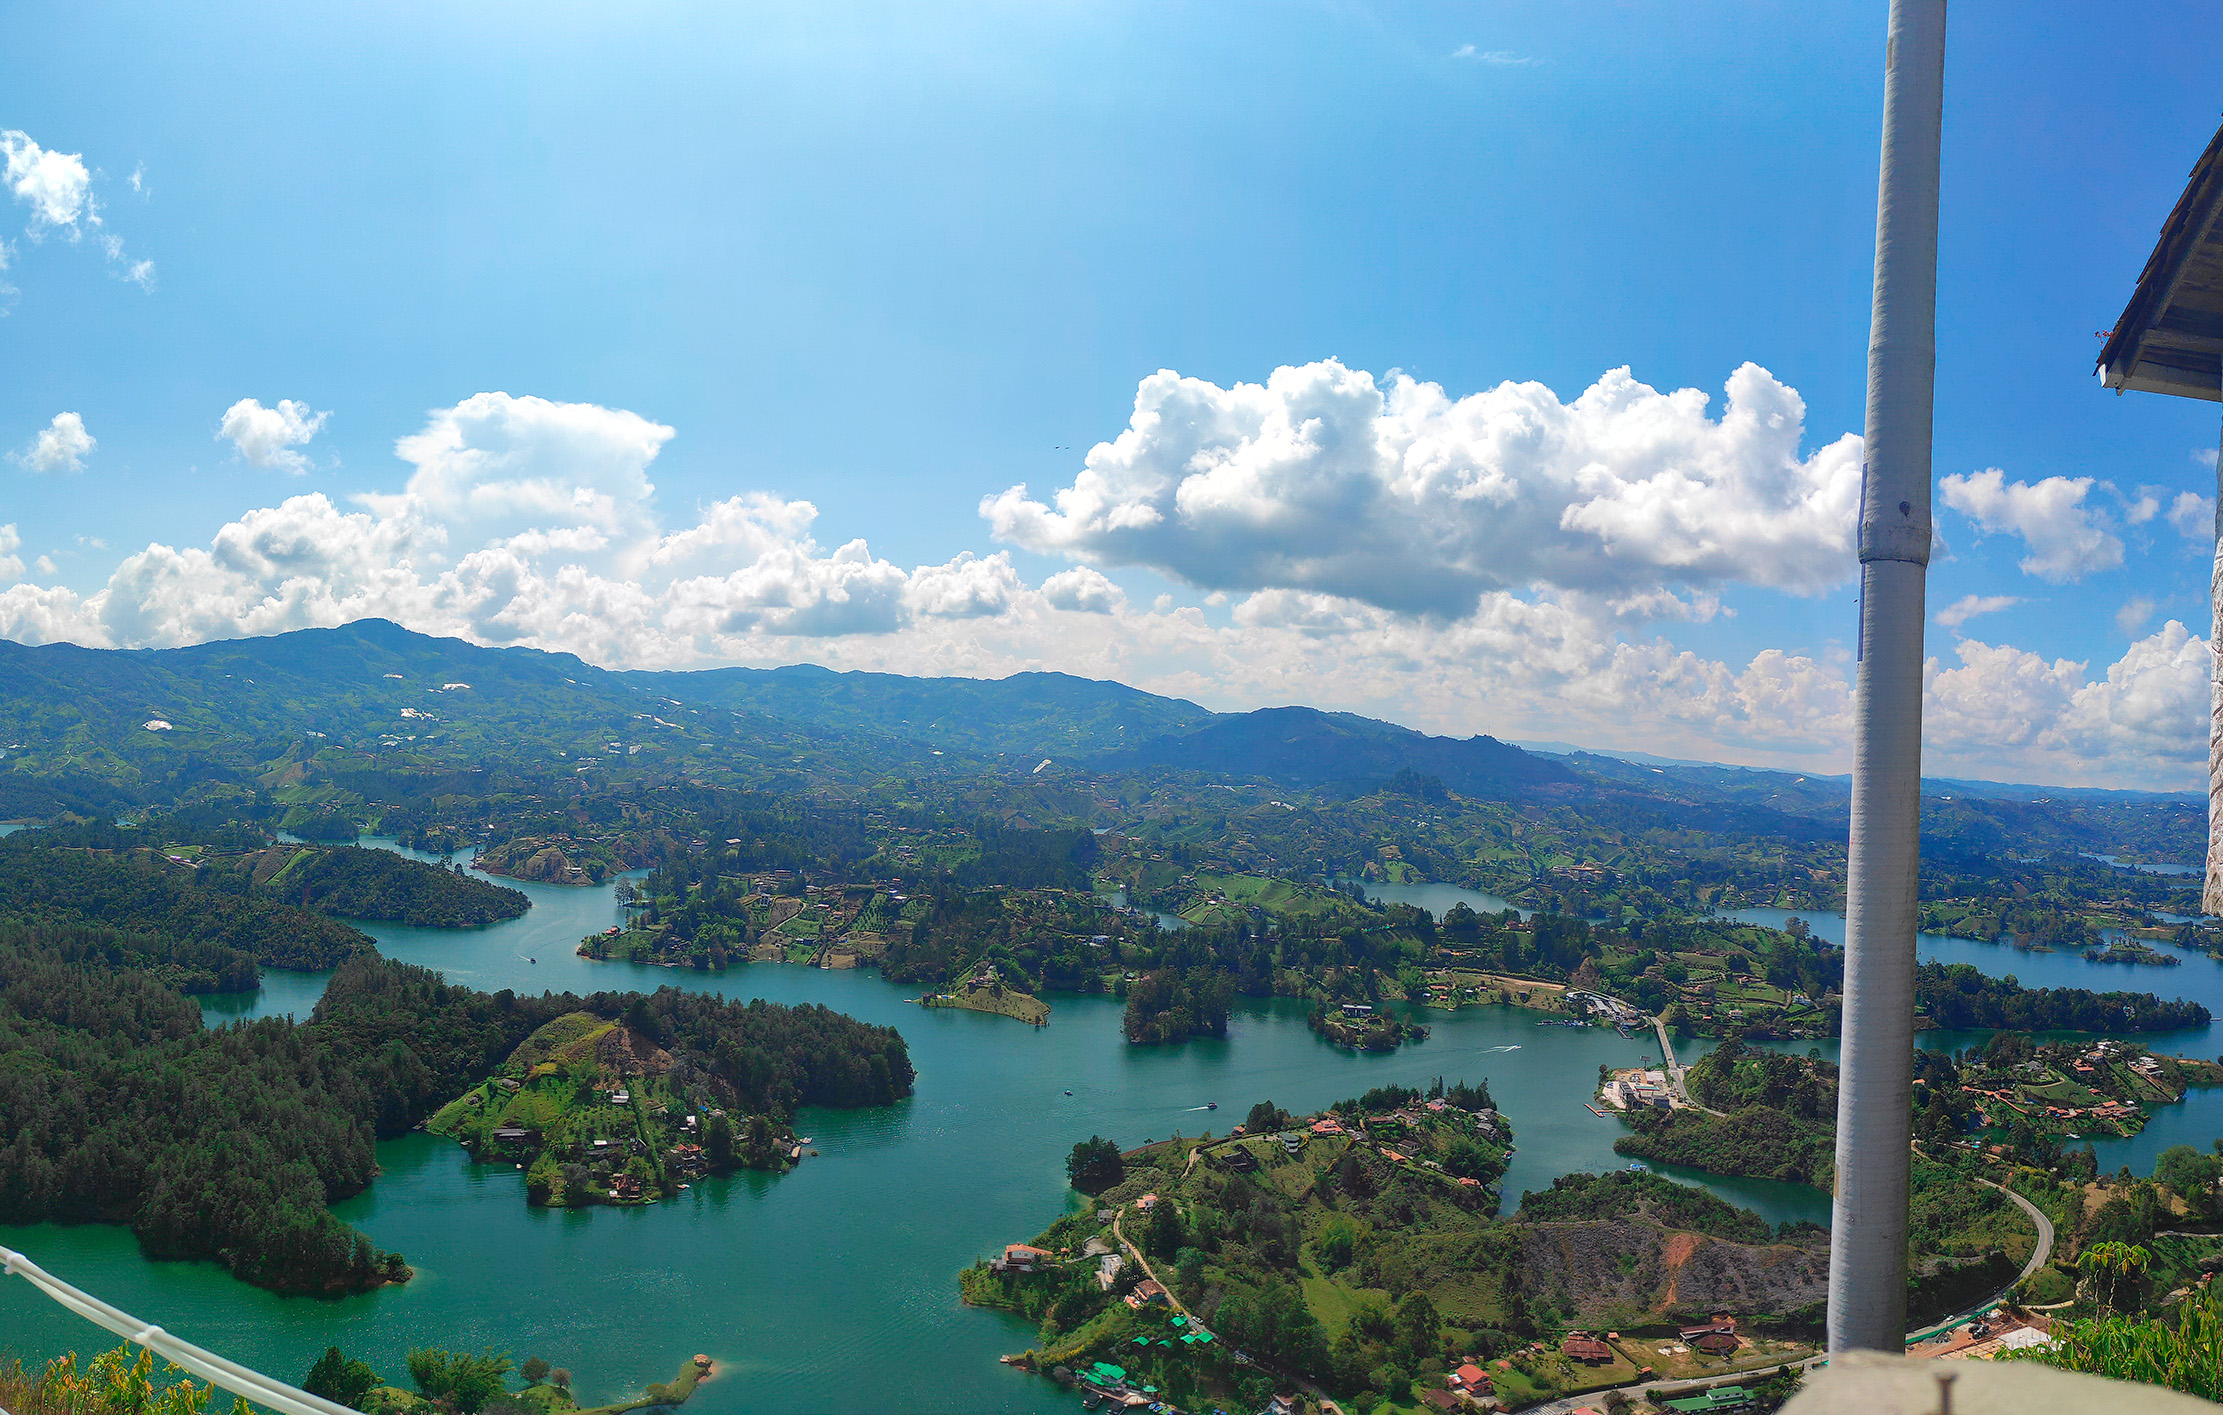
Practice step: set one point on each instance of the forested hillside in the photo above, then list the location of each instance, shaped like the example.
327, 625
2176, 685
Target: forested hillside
356, 883
229, 1144
143, 891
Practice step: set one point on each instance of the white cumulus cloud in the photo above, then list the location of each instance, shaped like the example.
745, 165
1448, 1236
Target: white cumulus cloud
61, 446
965, 588
1323, 480
1085, 590
11, 564
56, 186
2193, 516
267, 437
1968, 606
523, 521
2067, 538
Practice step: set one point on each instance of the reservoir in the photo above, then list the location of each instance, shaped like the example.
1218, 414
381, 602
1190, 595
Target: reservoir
834, 1287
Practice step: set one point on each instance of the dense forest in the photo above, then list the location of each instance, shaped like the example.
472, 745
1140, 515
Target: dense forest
356, 883
229, 1144
1173, 1006
1957, 996
143, 891
1640, 1194
1778, 1118
222, 1144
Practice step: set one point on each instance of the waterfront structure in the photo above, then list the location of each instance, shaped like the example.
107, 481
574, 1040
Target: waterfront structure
2169, 339
1867, 1258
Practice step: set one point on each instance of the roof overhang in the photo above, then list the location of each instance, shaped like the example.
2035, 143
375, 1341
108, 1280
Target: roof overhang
2170, 336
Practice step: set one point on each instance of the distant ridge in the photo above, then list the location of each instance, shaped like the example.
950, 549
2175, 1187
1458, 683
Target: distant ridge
1053, 715
1842, 782
1301, 746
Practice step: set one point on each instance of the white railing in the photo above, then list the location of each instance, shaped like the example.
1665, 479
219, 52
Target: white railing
254, 1385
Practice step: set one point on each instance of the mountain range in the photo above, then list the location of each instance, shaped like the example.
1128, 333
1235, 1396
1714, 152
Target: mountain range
100, 730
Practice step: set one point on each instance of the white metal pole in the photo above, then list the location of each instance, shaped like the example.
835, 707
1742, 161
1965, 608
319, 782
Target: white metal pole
1867, 1261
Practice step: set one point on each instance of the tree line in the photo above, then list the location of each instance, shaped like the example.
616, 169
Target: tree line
229, 1144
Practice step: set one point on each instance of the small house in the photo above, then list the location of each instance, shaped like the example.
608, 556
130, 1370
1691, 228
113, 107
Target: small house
1586, 1349
1147, 1291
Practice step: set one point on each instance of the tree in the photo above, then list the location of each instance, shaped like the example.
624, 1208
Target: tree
1263, 1117
340, 1379
2111, 1263
541, 1180
2192, 1176
1164, 1236
1095, 1165
458, 1379
535, 1370
560, 1377
1419, 1327
2186, 1354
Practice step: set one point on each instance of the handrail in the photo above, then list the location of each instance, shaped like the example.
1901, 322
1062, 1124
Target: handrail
239, 1380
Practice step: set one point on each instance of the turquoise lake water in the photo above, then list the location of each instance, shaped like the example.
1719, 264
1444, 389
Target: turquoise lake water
833, 1288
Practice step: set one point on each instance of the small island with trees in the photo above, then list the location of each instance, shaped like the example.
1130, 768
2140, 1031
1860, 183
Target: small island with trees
627, 1101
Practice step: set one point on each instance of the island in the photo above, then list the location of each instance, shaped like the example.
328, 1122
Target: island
632, 1107
1361, 1026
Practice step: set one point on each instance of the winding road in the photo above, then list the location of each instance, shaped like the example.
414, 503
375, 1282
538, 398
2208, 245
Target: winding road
2040, 1253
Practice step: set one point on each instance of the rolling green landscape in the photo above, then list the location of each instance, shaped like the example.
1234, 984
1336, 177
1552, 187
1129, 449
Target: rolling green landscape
755, 832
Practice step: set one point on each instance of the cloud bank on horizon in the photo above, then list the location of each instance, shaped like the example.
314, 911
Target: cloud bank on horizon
1505, 561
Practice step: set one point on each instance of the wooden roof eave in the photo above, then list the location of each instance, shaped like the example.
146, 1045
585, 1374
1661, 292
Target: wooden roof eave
2166, 342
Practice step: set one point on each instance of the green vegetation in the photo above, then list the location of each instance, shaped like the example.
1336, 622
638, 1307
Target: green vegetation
137, 890
2183, 1351
117, 1382
1095, 1165
355, 883
1777, 1118
228, 1144
623, 1099
560, 860
1344, 1249
341, 1379
1575, 1198
1357, 1025
1168, 1005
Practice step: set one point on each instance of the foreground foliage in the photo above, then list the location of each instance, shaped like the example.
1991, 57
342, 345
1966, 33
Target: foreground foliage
118, 1382
2183, 1352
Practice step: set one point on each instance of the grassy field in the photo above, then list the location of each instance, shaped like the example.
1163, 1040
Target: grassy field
1009, 1002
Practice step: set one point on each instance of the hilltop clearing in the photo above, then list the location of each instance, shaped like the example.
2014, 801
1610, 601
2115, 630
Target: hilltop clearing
606, 1105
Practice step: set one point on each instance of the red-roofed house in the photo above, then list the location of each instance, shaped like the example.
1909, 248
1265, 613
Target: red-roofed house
1587, 1349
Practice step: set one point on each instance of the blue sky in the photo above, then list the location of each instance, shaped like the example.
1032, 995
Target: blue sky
891, 262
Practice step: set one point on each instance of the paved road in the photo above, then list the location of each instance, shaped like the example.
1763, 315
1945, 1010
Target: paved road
1673, 1067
